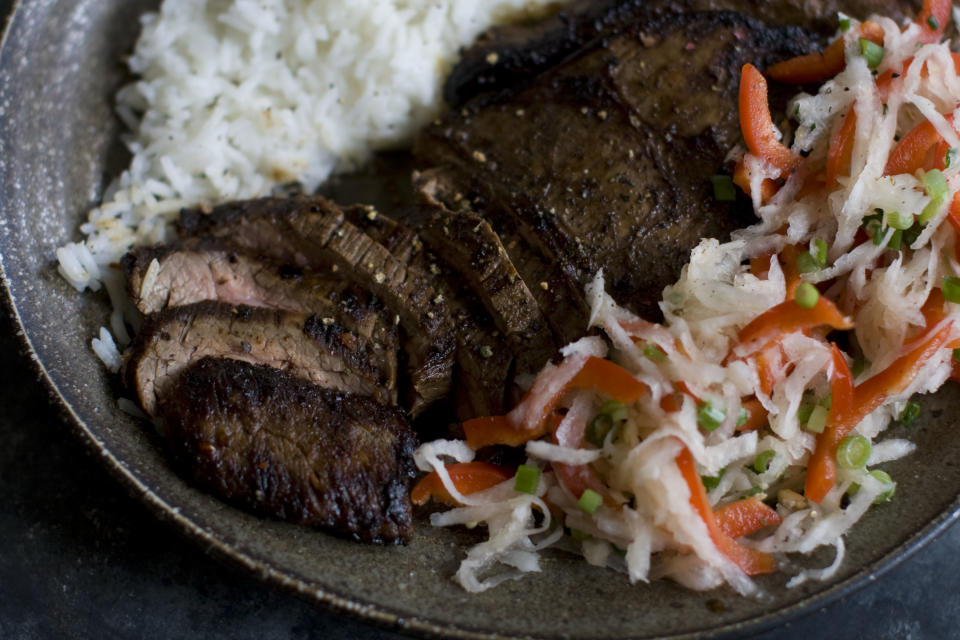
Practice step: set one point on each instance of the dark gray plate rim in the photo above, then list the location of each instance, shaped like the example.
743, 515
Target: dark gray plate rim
373, 612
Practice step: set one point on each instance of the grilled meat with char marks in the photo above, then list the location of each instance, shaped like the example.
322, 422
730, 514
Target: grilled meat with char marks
603, 161
280, 446
521, 51
316, 349
312, 232
187, 272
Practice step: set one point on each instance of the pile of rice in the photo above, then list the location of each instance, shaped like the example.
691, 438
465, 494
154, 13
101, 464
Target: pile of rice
235, 97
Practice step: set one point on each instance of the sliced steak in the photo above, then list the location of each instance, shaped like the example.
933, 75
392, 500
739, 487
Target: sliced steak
187, 272
312, 232
317, 349
512, 54
270, 442
603, 161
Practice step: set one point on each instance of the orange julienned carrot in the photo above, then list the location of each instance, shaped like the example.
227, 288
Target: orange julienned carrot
820, 65
788, 317
743, 517
467, 477
750, 561
756, 122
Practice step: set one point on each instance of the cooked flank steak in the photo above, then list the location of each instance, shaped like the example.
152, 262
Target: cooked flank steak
280, 446
290, 341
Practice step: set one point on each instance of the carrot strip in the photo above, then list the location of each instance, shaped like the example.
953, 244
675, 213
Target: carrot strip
468, 477
606, 377
596, 374
820, 65
788, 317
922, 148
788, 264
491, 430
750, 561
743, 517
933, 19
821, 469
757, 124
756, 415
841, 148
741, 178
866, 397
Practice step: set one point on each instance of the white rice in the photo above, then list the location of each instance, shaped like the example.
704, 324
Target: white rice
234, 97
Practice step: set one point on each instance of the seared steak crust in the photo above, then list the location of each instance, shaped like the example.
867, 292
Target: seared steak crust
279, 446
603, 161
521, 51
316, 349
312, 232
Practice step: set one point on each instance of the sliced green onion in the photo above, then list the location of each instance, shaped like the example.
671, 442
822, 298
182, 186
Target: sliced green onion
819, 252
948, 157
909, 413
710, 417
935, 183
712, 482
654, 352
615, 409
951, 288
527, 479
896, 240
877, 233
853, 452
936, 187
827, 401
806, 295
742, 417
844, 24
804, 412
884, 478
723, 189
752, 491
762, 462
956, 355
590, 500
818, 419
933, 22
598, 428
806, 263
872, 52
899, 220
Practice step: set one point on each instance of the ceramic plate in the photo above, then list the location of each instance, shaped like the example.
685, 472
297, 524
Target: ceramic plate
60, 66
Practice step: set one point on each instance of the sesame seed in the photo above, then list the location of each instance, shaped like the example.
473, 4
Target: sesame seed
486, 351
479, 156
545, 285
492, 58
379, 276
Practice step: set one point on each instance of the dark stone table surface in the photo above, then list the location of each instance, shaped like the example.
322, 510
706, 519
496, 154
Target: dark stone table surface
81, 559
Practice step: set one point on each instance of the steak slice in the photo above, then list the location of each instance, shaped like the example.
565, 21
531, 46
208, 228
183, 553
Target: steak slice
280, 446
187, 272
520, 51
468, 244
604, 161
317, 349
312, 232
